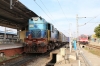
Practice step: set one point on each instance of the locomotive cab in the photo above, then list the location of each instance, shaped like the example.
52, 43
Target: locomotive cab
36, 35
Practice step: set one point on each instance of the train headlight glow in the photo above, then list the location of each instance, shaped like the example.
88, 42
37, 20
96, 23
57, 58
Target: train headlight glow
39, 41
31, 25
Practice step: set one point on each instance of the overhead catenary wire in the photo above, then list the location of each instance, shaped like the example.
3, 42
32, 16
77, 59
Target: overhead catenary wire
61, 8
46, 7
95, 23
92, 24
42, 9
92, 18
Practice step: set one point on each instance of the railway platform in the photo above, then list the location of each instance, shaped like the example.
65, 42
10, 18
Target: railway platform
92, 60
10, 49
8, 46
70, 60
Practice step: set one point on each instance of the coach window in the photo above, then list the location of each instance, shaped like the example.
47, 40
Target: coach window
49, 28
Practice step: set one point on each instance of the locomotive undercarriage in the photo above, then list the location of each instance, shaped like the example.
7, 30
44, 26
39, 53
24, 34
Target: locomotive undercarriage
84, 43
51, 46
35, 48
40, 45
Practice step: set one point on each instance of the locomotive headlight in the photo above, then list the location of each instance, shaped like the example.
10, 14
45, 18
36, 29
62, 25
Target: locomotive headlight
39, 41
26, 43
31, 25
44, 42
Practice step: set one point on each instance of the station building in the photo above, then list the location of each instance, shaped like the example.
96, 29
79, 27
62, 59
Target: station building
8, 37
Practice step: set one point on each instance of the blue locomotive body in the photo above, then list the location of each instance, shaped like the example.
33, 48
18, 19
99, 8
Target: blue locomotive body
37, 28
41, 36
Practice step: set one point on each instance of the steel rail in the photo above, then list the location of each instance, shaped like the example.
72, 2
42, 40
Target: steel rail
85, 59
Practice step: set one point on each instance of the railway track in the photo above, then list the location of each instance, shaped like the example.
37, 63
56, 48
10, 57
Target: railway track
19, 61
93, 46
24, 59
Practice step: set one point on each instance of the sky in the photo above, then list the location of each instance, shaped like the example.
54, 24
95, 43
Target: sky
13, 31
62, 14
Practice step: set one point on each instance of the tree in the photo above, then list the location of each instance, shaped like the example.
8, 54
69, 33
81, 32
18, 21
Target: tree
94, 36
97, 31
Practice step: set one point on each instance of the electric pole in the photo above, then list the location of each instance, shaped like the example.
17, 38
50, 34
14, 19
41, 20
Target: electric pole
5, 35
70, 38
77, 25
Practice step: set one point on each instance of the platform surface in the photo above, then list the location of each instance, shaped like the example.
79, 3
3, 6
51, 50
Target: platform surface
94, 60
10, 46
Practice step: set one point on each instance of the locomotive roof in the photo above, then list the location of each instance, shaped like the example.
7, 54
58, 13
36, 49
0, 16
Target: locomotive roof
43, 19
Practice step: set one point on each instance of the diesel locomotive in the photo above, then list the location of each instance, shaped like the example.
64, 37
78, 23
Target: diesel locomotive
42, 36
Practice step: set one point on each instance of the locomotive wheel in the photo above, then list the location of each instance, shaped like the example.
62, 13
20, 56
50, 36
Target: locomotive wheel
56, 44
24, 44
48, 47
53, 47
42, 45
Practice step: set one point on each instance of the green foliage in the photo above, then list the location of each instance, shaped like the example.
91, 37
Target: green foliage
93, 51
16, 55
3, 59
97, 31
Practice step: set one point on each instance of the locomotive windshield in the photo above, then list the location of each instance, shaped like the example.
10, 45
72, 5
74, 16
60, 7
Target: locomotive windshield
37, 28
83, 36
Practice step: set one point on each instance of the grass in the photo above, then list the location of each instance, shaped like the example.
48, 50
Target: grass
3, 59
17, 55
7, 58
93, 51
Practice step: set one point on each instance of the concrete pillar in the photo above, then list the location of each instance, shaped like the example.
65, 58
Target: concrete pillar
62, 51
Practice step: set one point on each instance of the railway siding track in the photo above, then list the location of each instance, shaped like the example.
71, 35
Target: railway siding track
19, 61
23, 60
10, 60
93, 49
93, 46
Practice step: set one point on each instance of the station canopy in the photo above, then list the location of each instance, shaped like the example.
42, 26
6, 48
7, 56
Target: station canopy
17, 17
